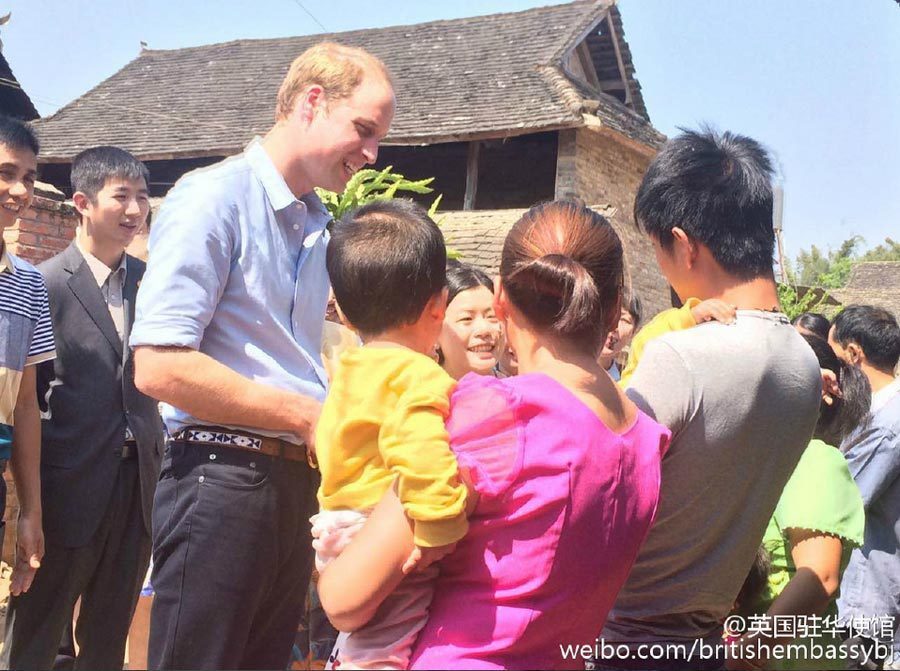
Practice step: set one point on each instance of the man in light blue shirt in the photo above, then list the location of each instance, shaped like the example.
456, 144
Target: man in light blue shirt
228, 336
869, 337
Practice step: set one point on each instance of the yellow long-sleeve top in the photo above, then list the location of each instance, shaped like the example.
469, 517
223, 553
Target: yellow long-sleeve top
673, 319
383, 420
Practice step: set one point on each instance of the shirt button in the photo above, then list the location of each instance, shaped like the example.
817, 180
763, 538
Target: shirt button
201, 479
296, 227
212, 457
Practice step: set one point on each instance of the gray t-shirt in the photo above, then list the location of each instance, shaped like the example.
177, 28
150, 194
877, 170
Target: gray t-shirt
742, 402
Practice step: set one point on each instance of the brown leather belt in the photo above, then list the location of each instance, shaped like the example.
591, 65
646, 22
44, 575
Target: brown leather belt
218, 436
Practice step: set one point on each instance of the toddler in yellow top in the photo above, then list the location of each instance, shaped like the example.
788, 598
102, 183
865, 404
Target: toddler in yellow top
382, 423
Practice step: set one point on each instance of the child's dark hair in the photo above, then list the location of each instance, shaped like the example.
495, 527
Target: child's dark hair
93, 167
462, 277
849, 410
386, 260
562, 267
813, 322
16, 134
635, 308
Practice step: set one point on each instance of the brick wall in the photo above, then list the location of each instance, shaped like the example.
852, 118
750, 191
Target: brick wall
601, 168
43, 231
46, 228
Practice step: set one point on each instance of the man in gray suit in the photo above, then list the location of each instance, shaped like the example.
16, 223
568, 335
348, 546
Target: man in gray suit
102, 439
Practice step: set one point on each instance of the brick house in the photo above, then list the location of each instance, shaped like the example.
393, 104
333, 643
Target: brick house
503, 110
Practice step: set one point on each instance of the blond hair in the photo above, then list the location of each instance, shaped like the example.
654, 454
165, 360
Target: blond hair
337, 68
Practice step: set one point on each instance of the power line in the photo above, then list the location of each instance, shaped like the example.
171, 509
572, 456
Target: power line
300, 5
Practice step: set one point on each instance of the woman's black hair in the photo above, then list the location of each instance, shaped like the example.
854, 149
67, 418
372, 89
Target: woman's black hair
815, 323
462, 277
849, 410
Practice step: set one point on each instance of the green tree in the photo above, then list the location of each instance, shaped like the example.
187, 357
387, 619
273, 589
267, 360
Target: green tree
831, 270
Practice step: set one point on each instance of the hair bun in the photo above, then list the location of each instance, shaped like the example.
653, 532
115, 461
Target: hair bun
565, 281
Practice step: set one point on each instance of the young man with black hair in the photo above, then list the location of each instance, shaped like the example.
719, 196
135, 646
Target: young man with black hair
26, 339
741, 399
869, 337
101, 438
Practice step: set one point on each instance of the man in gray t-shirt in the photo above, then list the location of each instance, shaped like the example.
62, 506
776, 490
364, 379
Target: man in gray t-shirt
741, 399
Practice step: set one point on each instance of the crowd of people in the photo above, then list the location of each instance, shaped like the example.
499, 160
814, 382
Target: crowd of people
514, 472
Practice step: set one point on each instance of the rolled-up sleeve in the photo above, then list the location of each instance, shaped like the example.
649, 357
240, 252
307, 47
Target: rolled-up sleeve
192, 247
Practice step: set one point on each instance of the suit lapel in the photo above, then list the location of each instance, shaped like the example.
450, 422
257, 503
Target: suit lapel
84, 286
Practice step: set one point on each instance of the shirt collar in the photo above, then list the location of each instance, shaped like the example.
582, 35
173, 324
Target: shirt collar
272, 181
99, 270
881, 398
6, 263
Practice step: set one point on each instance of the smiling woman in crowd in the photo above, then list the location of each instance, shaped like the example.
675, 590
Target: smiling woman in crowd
470, 340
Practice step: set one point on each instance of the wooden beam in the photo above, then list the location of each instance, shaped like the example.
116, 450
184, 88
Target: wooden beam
471, 176
622, 72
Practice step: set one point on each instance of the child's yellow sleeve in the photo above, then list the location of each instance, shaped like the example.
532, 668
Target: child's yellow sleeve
674, 319
415, 446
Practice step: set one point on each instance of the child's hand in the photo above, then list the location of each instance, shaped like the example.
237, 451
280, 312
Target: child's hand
421, 557
714, 310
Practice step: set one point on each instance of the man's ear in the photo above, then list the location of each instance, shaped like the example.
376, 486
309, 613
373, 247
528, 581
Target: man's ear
81, 202
685, 247
855, 354
310, 103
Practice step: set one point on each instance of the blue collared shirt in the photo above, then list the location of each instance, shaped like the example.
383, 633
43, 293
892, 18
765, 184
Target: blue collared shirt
871, 584
237, 271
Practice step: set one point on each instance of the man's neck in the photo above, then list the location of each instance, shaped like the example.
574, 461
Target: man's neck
110, 255
288, 164
878, 379
760, 293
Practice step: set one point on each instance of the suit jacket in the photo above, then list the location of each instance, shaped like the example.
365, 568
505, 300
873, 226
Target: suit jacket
87, 397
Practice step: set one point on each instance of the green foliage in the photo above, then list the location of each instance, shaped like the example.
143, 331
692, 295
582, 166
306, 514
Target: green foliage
793, 304
832, 270
368, 185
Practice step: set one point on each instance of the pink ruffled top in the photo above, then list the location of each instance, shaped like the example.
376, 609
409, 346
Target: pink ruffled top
564, 504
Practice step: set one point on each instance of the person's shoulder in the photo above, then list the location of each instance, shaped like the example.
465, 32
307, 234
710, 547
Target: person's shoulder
135, 265
28, 270
219, 184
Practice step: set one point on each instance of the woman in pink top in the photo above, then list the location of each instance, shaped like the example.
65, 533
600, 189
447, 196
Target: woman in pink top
563, 472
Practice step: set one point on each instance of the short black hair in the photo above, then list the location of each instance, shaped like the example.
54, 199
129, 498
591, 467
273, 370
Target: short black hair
717, 187
462, 277
874, 329
386, 260
16, 134
93, 167
813, 322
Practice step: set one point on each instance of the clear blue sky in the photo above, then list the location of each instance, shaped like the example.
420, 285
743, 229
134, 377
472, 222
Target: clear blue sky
817, 82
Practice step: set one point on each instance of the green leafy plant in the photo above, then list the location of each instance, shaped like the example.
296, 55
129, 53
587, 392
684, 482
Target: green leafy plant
794, 303
369, 185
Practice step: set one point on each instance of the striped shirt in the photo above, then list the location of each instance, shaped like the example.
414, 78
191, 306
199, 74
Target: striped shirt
26, 335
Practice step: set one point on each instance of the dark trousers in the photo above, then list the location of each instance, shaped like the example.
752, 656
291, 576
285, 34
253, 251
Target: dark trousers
107, 574
232, 558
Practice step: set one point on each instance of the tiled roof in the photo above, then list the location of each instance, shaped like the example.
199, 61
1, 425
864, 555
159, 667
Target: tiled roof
486, 76
873, 283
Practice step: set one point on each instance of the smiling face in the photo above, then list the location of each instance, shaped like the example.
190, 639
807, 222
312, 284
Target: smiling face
343, 134
114, 217
470, 336
18, 172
